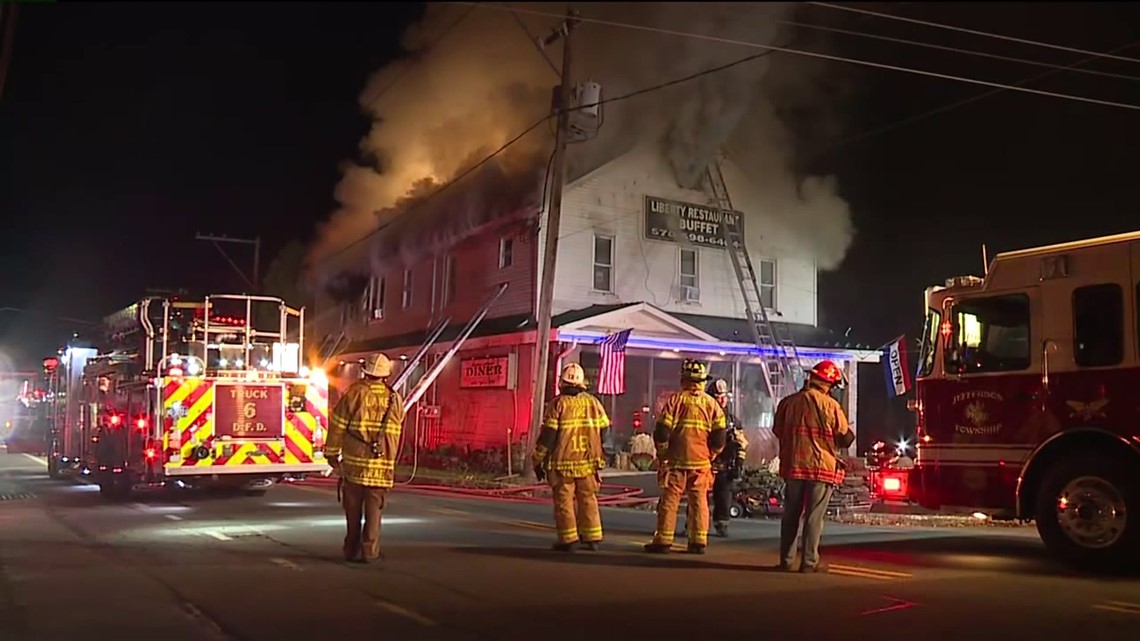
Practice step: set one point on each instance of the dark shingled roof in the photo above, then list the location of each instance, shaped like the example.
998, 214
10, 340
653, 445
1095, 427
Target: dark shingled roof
736, 330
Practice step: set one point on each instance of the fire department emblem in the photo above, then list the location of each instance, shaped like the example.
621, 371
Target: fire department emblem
978, 413
975, 414
1087, 411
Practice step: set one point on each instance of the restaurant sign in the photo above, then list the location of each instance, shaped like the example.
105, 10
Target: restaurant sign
491, 372
704, 225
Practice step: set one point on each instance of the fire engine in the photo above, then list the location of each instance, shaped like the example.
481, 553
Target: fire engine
178, 393
1026, 396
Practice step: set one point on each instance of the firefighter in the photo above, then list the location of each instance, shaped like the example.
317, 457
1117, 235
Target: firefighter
363, 441
569, 454
812, 430
729, 464
689, 434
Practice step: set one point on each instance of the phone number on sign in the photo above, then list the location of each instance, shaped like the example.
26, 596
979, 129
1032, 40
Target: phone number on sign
693, 238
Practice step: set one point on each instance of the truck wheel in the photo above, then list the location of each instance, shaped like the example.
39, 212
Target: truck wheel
736, 511
1088, 512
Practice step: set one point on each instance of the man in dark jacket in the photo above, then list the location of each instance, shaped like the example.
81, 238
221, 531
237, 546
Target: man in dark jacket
729, 464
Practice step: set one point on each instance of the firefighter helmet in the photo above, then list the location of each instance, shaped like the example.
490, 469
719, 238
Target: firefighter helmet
573, 375
378, 365
719, 387
828, 372
692, 370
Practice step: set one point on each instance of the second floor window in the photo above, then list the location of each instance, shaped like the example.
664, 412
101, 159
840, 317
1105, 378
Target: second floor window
506, 252
449, 280
375, 298
689, 269
603, 263
767, 269
406, 298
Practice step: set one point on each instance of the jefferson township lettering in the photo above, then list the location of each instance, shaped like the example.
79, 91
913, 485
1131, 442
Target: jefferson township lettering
703, 225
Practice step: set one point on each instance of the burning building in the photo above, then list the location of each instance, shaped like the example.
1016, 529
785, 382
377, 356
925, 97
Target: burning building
426, 236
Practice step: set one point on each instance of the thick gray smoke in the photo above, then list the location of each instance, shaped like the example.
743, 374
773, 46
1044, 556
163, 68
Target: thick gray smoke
468, 93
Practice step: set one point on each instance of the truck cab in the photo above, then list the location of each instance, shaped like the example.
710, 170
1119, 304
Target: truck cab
1026, 396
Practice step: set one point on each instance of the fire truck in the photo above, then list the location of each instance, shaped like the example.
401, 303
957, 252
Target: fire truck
188, 393
1026, 397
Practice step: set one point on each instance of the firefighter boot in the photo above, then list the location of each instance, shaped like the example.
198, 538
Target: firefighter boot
563, 547
592, 546
696, 548
658, 548
721, 529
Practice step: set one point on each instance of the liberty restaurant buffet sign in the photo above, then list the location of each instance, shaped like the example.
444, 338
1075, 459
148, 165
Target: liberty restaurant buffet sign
704, 225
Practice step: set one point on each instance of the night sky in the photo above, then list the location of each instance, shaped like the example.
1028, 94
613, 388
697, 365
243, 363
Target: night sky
127, 128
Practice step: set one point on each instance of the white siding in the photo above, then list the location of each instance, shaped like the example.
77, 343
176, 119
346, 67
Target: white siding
611, 202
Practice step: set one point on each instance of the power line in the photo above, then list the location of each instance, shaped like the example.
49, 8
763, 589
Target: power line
451, 27
969, 52
534, 41
986, 34
824, 56
954, 105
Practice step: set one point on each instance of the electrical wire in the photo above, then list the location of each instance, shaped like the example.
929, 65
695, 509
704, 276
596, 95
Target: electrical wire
968, 52
825, 56
535, 41
996, 36
451, 27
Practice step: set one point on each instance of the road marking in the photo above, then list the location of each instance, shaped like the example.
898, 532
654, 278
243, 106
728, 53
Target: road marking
866, 573
37, 459
406, 613
285, 563
218, 535
898, 604
449, 511
1119, 606
173, 517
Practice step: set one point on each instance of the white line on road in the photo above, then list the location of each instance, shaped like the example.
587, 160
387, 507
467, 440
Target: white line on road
406, 613
173, 517
37, 459
218, 535
285, 563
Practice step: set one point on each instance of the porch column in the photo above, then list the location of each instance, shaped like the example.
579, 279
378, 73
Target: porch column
852, 370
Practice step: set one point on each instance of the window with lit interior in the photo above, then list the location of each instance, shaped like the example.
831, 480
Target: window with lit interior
376, 298
990, 335
603, 263
1098, 325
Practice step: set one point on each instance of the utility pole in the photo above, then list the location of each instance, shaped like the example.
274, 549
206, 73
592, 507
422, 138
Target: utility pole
550, 255
256, 242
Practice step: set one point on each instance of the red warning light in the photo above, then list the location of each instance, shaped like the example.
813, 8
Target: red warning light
115, 420
141, 423
151, 452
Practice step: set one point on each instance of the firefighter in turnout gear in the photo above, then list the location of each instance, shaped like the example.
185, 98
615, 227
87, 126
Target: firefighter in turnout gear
569, 454
689, 434
813, 432
363, 441
729, 464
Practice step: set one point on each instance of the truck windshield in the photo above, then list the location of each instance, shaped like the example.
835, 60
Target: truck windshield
929, 341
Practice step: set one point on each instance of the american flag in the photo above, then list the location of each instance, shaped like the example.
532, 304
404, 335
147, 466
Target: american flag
611, 378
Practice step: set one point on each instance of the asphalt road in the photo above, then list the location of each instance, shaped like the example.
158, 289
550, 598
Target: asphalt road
73, 566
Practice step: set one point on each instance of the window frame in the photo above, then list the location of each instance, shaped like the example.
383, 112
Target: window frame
770, 287
594, 264
506, 252
955, 330
406, 291
696, 275
377, 290
449, 277
1121, 346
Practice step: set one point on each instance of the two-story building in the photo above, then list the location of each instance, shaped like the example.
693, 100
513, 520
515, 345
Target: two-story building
617, 268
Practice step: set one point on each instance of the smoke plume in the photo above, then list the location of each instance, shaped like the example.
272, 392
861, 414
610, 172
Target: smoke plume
467, 88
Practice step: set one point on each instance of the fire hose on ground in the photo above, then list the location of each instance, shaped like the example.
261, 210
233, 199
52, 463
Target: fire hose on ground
609, 496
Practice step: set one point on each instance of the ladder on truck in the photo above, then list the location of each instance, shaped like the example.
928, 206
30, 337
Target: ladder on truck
779, 358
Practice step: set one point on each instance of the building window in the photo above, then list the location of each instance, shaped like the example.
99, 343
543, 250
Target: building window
990, 334
603, 263
506, 252
1098, 325
767, 283
689, 269
407, 293
376, 298
449, 280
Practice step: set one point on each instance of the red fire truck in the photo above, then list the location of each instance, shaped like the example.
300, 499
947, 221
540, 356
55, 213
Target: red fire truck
188, 393
1026, 398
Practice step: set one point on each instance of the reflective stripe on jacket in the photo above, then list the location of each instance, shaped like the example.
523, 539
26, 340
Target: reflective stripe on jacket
355, 425
575, 447
690, 417
812, 430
